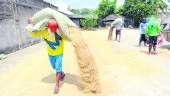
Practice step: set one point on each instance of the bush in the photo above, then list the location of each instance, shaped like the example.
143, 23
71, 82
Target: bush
88, 23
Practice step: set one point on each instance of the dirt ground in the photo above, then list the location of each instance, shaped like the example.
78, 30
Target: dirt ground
124, 69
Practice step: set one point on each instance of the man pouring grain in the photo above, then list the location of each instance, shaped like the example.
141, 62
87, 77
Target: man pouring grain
55, 47
118, 25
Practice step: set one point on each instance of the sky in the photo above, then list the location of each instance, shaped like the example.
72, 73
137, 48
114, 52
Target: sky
77, 4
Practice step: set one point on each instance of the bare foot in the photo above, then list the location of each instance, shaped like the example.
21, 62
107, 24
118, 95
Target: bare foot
154, 52
149, 53
56, 89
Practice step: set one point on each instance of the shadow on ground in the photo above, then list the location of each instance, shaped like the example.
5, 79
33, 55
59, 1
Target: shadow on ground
69, 79
144, 51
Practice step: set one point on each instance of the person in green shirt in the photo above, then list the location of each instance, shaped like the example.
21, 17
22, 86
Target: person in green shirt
152, 31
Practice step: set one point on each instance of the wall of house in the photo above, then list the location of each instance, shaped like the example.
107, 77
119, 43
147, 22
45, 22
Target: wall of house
76, 21
13, 19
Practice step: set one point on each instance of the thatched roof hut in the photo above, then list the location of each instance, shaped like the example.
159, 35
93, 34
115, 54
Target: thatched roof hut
110, 18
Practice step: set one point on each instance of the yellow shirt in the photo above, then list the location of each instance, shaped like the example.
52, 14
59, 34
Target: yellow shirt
54, 41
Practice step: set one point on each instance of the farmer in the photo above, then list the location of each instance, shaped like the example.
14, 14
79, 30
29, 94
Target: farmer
142, 28
55, 47
118, 25
152, 30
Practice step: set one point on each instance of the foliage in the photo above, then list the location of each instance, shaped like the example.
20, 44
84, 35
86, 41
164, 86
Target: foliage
85, 12
157, 4
90, 19
119, 10
138, 9
88, 23
75, 11
105, 8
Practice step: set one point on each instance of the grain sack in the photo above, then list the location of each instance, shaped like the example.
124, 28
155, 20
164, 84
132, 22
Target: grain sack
63, 21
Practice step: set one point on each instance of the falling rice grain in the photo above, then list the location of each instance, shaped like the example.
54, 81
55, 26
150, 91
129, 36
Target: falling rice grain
87, 66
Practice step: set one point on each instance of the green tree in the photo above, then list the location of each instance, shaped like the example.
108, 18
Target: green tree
106, 7
75, 11
138, 9
88, 23
83, 11
86, 12
90, 17
119, 10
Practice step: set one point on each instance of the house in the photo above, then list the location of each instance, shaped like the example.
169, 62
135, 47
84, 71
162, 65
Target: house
110, 18
74, 17
13, 20
15, 13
